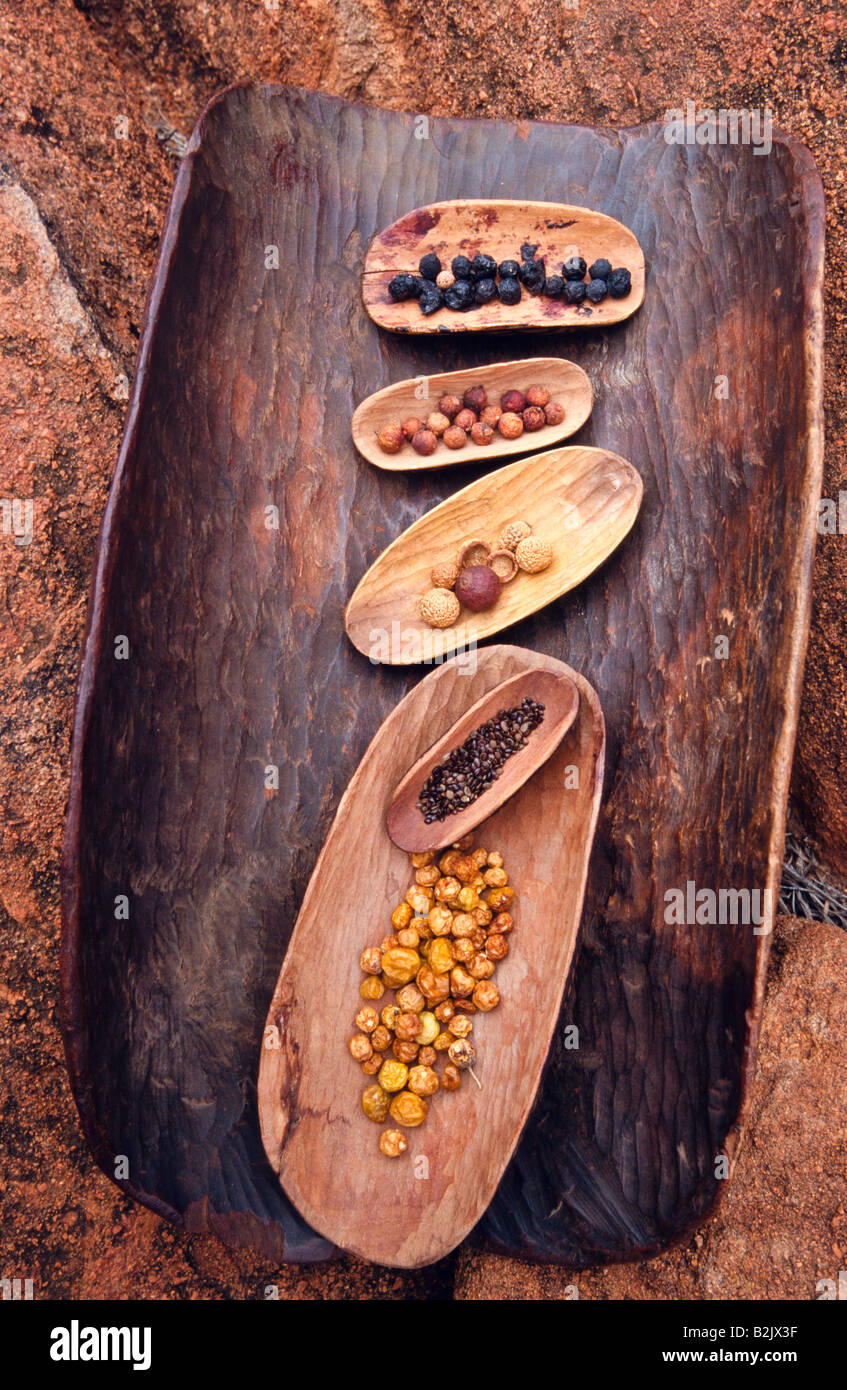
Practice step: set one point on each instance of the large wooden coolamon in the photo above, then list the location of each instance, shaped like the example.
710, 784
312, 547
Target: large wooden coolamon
238, 661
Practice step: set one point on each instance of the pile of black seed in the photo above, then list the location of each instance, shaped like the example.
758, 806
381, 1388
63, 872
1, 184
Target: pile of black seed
473, 767
476, 281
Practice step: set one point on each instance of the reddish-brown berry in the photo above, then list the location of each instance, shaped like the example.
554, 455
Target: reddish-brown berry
513, 402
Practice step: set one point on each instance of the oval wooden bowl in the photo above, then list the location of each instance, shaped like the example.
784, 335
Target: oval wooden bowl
583, 500
498, 228
407, 1212
566, 382
560, 698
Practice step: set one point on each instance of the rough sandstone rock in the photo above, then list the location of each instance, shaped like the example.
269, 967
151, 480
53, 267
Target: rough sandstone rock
782, 1226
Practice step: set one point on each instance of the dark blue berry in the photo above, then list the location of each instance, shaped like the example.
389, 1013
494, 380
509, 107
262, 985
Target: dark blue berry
461, 267
431, 298
597, 291
620, 283
429, 266
554, 286
573, 268
483, 267
510, 290
528, 251
486, 290
403, 287
460, 295
508, 270
600, 270
532, 275
575, 291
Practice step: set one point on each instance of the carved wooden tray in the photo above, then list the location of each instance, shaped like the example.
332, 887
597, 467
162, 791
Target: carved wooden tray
207, 766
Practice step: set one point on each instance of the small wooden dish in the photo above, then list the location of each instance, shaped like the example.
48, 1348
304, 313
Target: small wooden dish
582, 500
560, 697
566, 382
413, 1210
498, 228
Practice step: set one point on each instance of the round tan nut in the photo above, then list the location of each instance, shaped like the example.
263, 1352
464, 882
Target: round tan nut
444, 576
533, 554
444, 279
514, 533
537, 395
440, 608
473, 552
455, 437
438, 423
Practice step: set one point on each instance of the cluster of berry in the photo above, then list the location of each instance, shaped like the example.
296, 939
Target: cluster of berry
469, 283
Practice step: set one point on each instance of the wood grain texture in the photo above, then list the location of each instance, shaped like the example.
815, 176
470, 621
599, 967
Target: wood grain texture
567, 383
317, 1138
560, 698
583, 501
498, 227
246, 383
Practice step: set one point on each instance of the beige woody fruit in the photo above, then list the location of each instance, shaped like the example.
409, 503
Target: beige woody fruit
533, 554
514, 533
440, 608
444, 576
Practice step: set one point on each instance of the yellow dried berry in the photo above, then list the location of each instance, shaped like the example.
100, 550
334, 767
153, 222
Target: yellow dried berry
461, 983
407, 1027
428, 876
465, 869
496, 947
450, 1078
372, 1065
367, 1019
533, 555
440, 608
408, 1110
447, 861
486, 996
399, 966
434, 987
392, 1143
371, 960
500, 898
375, 1103
360, 1047
443, 1041
428, 1031
481, 967
495, 860
460, 1026
427, 1056
440, 920
390, 1015
423, 1081
410, 999
464, 950
502, 923
401, 916
372, 988
392, 1075
463, 923
409, 937
380, 1039
496, 878
468, 899
447, 889
445, 1011
440, 957
405, 1051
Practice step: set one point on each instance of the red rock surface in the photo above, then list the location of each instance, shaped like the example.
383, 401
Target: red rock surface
82, 202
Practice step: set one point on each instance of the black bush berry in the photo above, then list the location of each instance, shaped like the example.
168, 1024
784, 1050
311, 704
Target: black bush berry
430, 266
532, 275
575, 291
554, 286
600, 270
404, 287
597, 291
620, 283
483, 268
486, 290
460, 295
510, 290
461, 267
431, 298
573, 268
508, 270
528, 251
